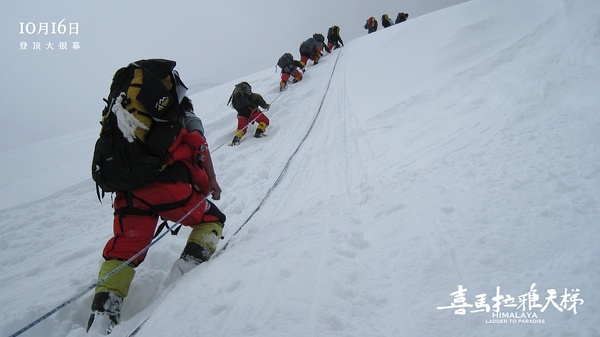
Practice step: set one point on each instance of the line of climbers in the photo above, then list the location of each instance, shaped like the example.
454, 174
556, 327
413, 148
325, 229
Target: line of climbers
248, 104
153, 154
371, 25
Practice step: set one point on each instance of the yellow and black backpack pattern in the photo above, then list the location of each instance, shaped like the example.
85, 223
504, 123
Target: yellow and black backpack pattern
139, 124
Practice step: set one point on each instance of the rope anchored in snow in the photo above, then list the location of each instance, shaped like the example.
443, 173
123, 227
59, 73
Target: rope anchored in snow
94, 285
178, 223
139, 326
251, 122
287, 164
157, 238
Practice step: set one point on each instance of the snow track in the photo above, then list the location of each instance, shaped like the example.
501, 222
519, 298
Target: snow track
459, 148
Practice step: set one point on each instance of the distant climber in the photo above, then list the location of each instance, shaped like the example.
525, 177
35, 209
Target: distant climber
309, 50
371, 25
401, 17
386, 21
289, 67
247, 104
333, 38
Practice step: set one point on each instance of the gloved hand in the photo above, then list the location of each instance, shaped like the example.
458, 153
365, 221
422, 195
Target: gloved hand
215, 189
268, 106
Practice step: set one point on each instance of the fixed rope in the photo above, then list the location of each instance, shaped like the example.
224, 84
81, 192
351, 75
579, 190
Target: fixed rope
121, 266
287, 164
251, 122
178, 223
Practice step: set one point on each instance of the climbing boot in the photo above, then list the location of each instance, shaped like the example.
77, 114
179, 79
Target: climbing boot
106, 306
201, 244
260, 130
106, 312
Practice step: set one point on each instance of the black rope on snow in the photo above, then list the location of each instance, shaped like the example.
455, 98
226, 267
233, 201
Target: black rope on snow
287, 164
251, 122
92, 286
179, 224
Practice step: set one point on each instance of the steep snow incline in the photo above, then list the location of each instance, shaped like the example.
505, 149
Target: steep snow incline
458, 148
466, 172
482, 156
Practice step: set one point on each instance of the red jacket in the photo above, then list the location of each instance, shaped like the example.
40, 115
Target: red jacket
191, 149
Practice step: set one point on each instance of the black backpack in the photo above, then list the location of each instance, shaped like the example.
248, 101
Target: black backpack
241, 97
139, 124
308, 46
319, 37
285, 60
333, 33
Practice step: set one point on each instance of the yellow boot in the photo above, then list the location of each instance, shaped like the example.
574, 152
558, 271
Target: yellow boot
106, 305
238, 137
260, 129
119, 282
202, 242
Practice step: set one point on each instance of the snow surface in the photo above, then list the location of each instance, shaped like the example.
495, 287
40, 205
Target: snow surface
213, 42
461, 147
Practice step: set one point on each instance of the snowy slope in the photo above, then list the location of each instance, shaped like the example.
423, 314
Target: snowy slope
213, 42
459, 148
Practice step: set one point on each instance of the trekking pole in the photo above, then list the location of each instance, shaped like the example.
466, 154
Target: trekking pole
114, 271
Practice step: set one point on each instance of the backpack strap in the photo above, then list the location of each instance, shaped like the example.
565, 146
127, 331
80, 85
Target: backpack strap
162, 226
98, 189
152, 209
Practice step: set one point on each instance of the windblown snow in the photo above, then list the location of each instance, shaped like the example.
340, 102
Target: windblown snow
457, 150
